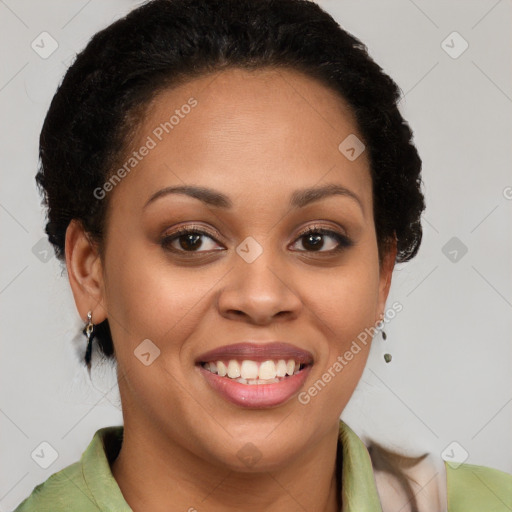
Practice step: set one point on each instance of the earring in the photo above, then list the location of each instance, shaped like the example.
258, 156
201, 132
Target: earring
89, 332
387, 356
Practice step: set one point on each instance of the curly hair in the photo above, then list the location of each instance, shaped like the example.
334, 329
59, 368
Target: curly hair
164, 43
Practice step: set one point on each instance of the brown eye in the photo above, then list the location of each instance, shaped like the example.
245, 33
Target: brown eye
313, 240
188, 239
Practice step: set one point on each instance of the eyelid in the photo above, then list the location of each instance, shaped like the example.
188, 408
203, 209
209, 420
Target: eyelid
318, 227
192, 228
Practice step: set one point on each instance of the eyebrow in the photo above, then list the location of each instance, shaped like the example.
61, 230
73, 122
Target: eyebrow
298, 199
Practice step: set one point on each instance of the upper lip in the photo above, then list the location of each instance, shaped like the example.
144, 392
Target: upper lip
274, 350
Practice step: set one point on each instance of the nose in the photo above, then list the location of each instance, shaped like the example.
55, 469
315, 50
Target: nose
259, 292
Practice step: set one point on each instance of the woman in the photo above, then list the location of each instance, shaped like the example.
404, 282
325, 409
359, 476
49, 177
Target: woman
230, 184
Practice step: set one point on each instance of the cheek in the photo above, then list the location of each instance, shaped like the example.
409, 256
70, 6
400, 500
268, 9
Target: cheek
345, 307
345, 302
342, 362
149, 298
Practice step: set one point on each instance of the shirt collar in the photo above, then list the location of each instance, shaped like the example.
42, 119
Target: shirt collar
359, 492
96, 459
358, 488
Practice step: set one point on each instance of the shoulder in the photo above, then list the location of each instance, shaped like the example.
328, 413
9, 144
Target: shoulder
409, 483
86, 485
431, 484
471, 487
60, 490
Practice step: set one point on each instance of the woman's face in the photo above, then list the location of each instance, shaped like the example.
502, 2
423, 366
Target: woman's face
258, 144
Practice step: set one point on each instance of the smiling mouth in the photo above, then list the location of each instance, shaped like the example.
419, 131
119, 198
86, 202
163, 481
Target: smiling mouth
255, 372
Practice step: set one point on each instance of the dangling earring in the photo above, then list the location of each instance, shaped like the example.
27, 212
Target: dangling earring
89, 332
387, 356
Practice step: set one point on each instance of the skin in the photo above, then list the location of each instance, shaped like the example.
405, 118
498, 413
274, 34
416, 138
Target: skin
255, 136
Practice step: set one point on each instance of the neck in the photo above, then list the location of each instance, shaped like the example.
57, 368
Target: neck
156, 474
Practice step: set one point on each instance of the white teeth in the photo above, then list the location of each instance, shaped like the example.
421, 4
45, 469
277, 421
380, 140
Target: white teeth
249, 369
256, 381
281, 368
221, 369
254, 372
267, 370
233, 369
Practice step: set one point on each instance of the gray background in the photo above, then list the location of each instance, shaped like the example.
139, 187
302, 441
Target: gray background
450, 378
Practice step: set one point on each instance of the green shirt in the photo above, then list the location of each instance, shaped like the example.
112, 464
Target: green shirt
88, 485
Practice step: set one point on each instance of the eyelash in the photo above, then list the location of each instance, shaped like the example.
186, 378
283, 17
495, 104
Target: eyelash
343, 241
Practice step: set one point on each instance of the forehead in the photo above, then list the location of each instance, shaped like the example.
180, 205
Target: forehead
254, 134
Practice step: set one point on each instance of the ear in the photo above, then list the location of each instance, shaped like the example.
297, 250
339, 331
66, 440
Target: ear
386, 271
85, 273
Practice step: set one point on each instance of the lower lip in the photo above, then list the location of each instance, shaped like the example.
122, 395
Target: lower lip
256, 396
